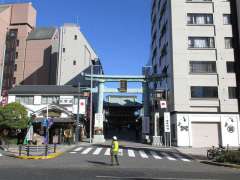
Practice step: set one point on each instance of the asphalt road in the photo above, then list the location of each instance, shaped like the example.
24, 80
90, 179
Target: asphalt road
84, 164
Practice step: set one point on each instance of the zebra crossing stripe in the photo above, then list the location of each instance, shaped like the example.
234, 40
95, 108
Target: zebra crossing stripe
155, 155
107, 152
120, 153
86, 151
78, 149
131, 153
168, 157
1, 155
73, 152
97, 151
182, 158
143, 154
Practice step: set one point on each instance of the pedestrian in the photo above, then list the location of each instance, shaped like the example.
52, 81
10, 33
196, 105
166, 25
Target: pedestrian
114, 151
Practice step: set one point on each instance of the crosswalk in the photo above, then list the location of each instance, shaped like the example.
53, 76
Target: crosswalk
131, 153
1, 155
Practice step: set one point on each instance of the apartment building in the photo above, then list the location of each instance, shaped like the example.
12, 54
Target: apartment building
75, 54
16, 22
193, 44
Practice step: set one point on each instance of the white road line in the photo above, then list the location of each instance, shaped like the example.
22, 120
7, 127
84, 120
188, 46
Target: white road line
168, 157
1, 155
182, 158
120, 153
107, 152
86, 151
143, 154
131, 153
73, 152
97, 151
78, 149
155, 155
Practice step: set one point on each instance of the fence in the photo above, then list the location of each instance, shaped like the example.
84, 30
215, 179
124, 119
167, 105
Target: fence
33, 150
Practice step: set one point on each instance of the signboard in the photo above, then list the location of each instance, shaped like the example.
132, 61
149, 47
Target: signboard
167, 122
82, 106
145, 125
66, 100
163, 104
99, 120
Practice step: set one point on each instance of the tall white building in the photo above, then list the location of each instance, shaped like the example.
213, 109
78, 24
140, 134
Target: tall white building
192, 42
75, 54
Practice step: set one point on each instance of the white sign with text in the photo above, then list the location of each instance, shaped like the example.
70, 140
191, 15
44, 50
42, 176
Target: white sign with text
167, 122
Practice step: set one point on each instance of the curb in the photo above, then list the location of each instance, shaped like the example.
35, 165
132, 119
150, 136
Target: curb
51, 156
221, 164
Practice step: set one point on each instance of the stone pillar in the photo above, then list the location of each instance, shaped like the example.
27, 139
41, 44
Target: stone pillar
98, 128
100, 96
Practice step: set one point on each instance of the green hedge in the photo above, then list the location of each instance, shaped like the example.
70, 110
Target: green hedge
229, 156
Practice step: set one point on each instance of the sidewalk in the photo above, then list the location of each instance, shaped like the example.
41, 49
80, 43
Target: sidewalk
196, 153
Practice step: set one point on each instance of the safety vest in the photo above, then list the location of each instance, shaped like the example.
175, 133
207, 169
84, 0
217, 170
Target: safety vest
115, 146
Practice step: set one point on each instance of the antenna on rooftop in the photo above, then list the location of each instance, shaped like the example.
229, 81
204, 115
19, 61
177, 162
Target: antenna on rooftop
77, 20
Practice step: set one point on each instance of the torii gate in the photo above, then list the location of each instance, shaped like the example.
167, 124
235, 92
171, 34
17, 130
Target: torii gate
101, 79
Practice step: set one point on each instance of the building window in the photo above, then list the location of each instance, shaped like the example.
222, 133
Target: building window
64, 50
227, 19
75, 37
17, 43
232, 92
204, 92
50, 99
74, 62
201, 42
25, 99
16, 55
228, 42
15, 67
202, 67
200, 19
231, 67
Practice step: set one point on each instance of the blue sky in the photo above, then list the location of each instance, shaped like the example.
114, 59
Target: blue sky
118, 30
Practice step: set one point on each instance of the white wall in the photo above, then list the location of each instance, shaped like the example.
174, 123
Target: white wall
184, 138
78, 50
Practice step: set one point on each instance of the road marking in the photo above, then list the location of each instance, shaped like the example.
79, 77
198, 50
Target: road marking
182, 158
78, 149
150, 178
86, 151
120, 153
155, 155
97, 151
168, 157
107, 153
73, 152
131, 153
143, 154
1, 155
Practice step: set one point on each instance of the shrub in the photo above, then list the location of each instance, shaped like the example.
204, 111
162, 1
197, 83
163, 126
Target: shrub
229, 156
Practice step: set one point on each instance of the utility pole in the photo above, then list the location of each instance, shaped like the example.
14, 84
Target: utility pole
91, 104
78, 117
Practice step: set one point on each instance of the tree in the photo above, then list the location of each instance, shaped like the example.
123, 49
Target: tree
14, 116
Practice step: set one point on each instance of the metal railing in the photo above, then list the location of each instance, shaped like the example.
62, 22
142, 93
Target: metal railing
33, 150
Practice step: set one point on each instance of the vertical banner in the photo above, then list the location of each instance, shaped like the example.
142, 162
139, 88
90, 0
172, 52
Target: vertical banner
167, 122
82, 106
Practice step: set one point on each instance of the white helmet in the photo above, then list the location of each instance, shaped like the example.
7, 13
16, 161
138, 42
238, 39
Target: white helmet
114, 138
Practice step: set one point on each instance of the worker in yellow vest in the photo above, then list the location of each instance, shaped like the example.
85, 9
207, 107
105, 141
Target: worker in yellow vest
114, 151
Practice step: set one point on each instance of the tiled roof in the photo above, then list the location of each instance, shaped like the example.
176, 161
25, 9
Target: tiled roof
43, 89
41, 33
2, 8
